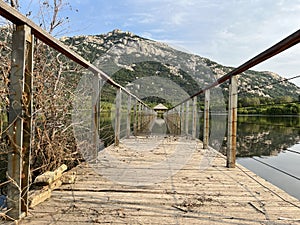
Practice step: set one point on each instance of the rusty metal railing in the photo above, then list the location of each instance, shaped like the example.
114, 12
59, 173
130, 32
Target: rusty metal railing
180, 108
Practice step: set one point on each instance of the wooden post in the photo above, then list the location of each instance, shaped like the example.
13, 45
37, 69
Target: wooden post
139, 115
147, 118
194, 121
95, 113
172, 120
182, 118
187, 111
128, 116
99, 106
135, 118
20, 120
118, 117
142, 117
1, 122
28, 107
206, 120
232, 123
178, 121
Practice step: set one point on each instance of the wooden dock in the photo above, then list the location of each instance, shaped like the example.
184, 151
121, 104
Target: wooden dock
203, 191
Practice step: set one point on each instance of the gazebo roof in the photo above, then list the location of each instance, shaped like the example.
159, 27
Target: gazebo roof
160, 107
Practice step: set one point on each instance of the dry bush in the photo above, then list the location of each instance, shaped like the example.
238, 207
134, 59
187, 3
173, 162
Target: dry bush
5, 56
55, 79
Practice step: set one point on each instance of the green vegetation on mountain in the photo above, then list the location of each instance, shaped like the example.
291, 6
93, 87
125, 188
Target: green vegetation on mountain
145, 69
127, 57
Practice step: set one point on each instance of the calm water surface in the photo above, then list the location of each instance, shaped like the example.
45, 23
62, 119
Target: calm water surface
270, 147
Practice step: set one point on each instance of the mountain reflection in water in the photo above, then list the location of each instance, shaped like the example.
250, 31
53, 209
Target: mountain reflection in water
269, 146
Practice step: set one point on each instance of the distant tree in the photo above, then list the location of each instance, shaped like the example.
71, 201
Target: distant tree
284, 99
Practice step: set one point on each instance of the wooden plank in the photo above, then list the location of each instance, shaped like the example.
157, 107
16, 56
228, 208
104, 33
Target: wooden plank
218, 195
38, 196
41, 194
50, 176
69, 178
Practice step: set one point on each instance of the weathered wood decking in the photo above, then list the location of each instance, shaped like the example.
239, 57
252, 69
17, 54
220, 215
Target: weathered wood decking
193, 195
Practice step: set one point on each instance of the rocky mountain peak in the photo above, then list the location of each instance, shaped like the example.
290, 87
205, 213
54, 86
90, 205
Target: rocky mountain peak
120, 49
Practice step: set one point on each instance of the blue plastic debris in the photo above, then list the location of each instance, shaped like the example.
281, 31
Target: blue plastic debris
3, 203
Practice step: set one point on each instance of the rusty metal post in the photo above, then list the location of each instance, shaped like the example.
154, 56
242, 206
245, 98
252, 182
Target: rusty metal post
118, 116
206, 119
20, 120
232, 123
194, 121
187, 111
128, 116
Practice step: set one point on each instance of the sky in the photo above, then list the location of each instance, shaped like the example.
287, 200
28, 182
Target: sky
229, 32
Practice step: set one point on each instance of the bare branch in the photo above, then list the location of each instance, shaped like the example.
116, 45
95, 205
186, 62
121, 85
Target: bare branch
14, 3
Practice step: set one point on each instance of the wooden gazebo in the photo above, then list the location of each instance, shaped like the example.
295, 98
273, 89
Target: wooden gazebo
160, 108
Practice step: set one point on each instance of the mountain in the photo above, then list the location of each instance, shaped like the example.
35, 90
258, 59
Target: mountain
127, 57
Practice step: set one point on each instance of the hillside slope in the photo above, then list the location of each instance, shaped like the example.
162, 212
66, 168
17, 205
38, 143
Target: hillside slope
120, 53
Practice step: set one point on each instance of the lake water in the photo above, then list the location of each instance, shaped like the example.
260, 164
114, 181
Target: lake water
269, 146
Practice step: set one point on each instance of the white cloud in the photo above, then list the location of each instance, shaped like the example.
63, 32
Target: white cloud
229, 32
177, 19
